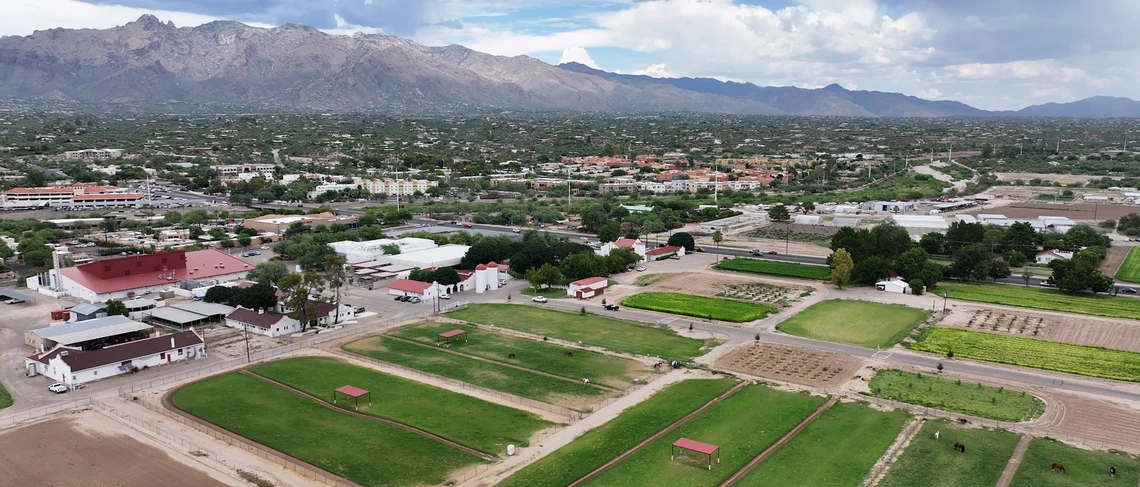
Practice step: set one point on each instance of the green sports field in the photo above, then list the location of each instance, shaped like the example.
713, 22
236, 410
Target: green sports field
860, 323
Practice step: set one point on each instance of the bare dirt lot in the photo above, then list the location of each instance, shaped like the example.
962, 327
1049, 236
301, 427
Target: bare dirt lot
1072, 210
228, 343
720, 285
70, 452
791, 364
1112, 261
1084, 330
1092, 423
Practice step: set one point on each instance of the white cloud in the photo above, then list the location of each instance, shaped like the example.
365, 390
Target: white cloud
930, 94
656, 71
345, 28
577, 55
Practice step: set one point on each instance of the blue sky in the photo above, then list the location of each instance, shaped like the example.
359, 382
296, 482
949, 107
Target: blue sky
994, 54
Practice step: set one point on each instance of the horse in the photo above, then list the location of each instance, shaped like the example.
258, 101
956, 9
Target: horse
586, 382
511, 355
1057, 466
658, 365
960, 447
1112, 471
568, 353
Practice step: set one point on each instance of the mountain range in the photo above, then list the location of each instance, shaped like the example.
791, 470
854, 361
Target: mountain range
151, 65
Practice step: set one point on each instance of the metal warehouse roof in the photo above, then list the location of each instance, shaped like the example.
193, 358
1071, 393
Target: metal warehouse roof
204, 308
17, 295
82, 331
182, 317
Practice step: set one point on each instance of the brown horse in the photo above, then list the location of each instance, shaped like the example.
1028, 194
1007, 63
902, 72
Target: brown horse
568, 353
960, 447
512, 355
1057, 466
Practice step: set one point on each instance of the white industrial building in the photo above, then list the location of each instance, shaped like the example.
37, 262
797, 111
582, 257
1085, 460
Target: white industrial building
807, 219
356, 252
92, 154
887, 206
442, 256
921, 224
74, 366
893, 285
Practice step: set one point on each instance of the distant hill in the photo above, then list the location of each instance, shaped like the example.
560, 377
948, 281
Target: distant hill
1095, 107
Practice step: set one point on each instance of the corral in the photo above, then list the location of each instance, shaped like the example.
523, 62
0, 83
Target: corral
931, 462
860, 323
1082, 467
791, 364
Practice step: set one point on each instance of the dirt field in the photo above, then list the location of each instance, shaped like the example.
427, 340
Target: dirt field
72, 452
791, 364
1092, 423
1073, 210
1117, 334
1112, 261
228, 343
1060, 178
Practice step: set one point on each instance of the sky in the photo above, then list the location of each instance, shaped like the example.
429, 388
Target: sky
992, 54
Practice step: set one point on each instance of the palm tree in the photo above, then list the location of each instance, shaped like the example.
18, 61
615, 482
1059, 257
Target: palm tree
717, 239
336, 276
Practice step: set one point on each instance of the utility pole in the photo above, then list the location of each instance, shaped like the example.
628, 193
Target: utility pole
245, 335
568, 191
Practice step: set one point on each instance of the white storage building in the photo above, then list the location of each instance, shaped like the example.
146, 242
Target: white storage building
73, 366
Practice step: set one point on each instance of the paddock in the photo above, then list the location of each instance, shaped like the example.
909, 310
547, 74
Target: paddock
683, 445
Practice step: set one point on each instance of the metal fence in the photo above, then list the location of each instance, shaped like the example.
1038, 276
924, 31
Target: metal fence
17, 418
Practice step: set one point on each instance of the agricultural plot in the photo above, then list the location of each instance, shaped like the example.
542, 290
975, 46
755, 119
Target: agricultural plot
742, 425
1130, 270
524, 383
606, 442
792, 364
1006, 322
1028, 297
619, 335
838, 449
962, 397
699, 306
757, 292
1083, 468
776, 268
860, 323
1031, 352
472, 422
935, 463
600, 368
366, 452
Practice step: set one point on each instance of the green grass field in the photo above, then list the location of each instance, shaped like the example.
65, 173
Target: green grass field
344, 445
550, 292
935, 463
699, 306
860, 323
961, 397
523, 383
547, 357
1050, 299
472, 422
1031, 352
1084, 468
5, 397
1130, 270
620, 335
861, 433
742, 425
776, 268
605, 442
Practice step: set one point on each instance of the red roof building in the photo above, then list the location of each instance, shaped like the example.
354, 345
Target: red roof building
587, 288
123, 277
72, 366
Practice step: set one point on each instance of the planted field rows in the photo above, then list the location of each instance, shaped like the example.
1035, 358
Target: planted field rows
699, 306
776, 268
600, 368
1083, 468
619, 335
956, 396
742, 425
1130, 270
930, 462
472, 422
860, 323
838, 449
601, 444
523, 383
1030, 352
1027, 297
345, 445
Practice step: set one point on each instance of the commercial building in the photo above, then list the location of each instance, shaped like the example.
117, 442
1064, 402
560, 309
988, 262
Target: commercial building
587, 288
233, 170
92, 154
127, 277
403, 187
88, 334
73, 366
356, 252
262, 323
277, 224
77, 194
442, 256
921, 224
893, 285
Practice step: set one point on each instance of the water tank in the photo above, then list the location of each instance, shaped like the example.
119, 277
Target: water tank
510, 450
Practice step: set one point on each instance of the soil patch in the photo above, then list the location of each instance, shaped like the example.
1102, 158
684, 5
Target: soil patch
791, 364
1084, 330
1072, 210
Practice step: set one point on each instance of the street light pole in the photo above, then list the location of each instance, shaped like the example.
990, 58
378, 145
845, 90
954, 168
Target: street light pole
944, 297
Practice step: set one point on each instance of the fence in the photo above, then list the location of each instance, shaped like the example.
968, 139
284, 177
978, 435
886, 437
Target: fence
17, 418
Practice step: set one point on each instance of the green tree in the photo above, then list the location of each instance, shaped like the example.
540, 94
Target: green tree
390, 249
582, 265
545, 276
717, 238
609, 231
421, 275
970, 259
269, 272
258, 296
1129, 225
779, 213
34, 178
916, 286
933, 243
445, 276
301, 294
682, 239
34, 252
244, 240
116, 308
336, 276
870, 270
219, 294
841, 267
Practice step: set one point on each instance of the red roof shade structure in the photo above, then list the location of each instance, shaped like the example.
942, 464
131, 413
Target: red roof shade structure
684, 444
353, 392
448, 335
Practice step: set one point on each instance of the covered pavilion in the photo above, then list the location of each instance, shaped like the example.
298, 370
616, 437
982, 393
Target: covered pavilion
684, 444
353, 392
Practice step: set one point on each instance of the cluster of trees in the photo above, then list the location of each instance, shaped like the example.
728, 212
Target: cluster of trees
1080, 273
309, 246
258, 296
445, 276
666, 214
1128, 225
871, 255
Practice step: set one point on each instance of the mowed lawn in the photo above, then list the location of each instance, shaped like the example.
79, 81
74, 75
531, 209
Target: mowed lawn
837, 450
1031, 352
620, 335
699, 306
1083, 467
1130, 269
366, 452
5, 397
776, 268
606, 442
547, 357
1049, 299
957, 396
472, 422
928, 462
860, 323
743, 425
523, 383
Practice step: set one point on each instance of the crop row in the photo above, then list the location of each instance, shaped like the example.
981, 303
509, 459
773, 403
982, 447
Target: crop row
699, 306
776, 268
1049, 299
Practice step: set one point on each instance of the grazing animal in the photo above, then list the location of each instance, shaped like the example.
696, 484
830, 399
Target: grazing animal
937, 434
512, 355
963, 420
586, 382
568, 353
1112, 471
1057, 466
960, 447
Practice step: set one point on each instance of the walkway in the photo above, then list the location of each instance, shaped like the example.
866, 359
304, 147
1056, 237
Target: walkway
1014, 461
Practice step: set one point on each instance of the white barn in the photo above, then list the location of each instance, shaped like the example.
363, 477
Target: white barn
73, 366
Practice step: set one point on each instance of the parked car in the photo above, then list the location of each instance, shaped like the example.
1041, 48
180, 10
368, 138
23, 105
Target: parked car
1046, 283
414, 300
772, 252
466, 225
58, 388
610, 307
539, 299
444, 296
358, 309
699, 249
502, 283
399, 298
264, 247
14, 301
640, 268
756, 252
1128, 290
517, 230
